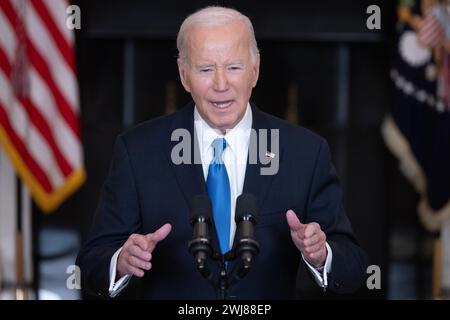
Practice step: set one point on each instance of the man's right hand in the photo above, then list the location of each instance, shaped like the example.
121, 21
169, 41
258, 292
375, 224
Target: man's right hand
136, 254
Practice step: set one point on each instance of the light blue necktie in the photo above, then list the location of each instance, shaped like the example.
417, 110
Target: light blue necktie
218, 187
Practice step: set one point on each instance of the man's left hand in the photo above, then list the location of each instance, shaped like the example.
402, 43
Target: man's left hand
309, 239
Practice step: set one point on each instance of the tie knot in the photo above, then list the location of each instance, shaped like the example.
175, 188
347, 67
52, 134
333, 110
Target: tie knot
219, 146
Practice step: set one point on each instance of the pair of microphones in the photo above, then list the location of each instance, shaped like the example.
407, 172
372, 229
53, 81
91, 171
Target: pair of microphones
244, 249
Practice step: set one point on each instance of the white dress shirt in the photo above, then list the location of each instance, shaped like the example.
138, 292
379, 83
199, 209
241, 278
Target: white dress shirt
235, 160
234, 155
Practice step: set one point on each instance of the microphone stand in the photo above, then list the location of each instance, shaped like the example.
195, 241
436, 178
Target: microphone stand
223, 282
246, 251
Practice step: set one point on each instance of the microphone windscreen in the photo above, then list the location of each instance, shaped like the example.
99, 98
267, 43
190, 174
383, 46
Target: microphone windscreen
200, 206
246, 205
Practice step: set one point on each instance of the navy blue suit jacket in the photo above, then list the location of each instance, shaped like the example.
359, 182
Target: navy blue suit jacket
145, 190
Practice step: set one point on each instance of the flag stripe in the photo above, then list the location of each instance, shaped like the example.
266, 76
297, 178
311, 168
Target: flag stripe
27, 132
46, 132
66, 141
4, 62
64, 77
62, 44
8, 41
42, 154
9, 11
64, 108
43, 125
42, 67
22, 150
58, 11
431, 32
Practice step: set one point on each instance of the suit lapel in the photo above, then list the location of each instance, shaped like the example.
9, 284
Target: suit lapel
254, 182
189, 176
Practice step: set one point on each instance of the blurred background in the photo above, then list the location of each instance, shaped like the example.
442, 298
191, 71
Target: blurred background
374, 85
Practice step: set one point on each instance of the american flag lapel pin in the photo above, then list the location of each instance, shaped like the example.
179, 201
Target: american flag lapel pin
270, 154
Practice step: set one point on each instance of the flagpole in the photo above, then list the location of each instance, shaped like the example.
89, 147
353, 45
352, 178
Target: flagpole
27, 241
437, 270
24, 260
20, 292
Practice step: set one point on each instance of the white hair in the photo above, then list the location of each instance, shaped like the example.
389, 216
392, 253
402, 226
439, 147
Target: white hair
213, 16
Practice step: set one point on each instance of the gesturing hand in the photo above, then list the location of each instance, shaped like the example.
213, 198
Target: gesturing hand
136, 254
309, 239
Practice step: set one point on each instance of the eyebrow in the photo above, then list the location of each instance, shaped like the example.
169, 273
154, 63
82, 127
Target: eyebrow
205, 65
210, 65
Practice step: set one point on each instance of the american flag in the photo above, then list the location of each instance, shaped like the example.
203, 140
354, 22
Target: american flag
39, 107
431, 32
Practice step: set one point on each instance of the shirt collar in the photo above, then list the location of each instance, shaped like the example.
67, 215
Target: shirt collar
237, 137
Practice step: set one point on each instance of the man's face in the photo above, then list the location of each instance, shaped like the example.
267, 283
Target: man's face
220, 73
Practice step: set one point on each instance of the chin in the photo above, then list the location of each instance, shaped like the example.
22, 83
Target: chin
224, 124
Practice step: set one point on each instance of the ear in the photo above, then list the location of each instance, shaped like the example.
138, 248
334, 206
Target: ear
182, 72
255, 70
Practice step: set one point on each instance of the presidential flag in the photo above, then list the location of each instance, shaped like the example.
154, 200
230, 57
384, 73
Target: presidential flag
418, 129
39, 105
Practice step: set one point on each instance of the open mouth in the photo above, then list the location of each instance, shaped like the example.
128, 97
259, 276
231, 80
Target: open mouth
222, 104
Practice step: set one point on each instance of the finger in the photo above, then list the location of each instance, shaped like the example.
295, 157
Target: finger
162, 232
139, 240
311, 229
139, 263
135, 271
293, 222
158, 235
314, 248
314, 239
141, 254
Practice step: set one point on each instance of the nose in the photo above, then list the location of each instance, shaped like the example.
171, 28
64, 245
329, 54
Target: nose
220, 80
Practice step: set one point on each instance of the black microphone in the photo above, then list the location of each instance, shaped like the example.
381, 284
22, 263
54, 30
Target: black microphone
246, 247
199, 246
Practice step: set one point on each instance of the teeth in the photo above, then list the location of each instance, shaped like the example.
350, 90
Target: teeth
222, 104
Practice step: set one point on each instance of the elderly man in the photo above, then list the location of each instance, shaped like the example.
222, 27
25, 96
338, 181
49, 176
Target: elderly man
141, 229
